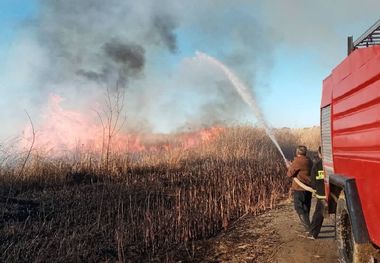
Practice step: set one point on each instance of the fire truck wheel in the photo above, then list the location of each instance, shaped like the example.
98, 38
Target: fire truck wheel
349, 250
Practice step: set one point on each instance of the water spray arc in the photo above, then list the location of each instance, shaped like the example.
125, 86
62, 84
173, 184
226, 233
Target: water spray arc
244, 93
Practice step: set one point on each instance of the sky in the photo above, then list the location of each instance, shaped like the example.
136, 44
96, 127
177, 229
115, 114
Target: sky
282, 50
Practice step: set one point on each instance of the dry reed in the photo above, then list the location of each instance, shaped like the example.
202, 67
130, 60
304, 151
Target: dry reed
144, 206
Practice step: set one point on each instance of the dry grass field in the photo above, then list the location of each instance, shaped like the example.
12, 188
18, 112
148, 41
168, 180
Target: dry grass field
142, 206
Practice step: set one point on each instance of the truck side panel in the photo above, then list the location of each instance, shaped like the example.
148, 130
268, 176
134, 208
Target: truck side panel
356, 129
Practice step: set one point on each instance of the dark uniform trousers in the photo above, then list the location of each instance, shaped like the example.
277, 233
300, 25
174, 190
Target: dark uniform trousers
317, 182
302, 204
317, 221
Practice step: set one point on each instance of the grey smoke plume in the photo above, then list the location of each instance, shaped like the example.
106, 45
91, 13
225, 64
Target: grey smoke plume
77, 49
94, 76
95, 39
165, 26
81, 48
129, 56
128, 59
86, 47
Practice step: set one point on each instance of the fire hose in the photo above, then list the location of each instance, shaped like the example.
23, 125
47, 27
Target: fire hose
304, 186
307, 188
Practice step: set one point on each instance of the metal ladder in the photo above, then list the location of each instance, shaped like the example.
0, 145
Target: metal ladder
369, 38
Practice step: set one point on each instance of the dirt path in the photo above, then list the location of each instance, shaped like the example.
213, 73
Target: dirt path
271, 237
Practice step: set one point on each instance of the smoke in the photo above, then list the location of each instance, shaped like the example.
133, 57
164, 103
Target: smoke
127, 59
165, 26
94, 76
89, 47
129, 56
100, 41
80, 49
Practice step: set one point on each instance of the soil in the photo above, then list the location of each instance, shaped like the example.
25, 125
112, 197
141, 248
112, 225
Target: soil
274, 236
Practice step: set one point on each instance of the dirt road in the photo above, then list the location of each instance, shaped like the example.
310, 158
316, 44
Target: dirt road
274, 236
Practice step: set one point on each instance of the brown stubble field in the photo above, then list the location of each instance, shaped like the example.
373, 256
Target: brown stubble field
146, 206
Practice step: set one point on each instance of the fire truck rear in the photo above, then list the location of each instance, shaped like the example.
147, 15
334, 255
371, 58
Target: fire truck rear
350, 132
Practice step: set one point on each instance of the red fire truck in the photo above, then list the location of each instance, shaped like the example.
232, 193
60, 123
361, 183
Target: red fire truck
350, 132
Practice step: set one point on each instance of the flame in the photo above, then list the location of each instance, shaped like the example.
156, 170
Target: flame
64, 130
193, 139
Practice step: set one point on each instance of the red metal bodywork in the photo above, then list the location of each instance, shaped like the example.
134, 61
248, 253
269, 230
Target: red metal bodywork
353, 91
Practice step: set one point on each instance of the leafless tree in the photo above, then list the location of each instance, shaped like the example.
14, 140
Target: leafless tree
112, 119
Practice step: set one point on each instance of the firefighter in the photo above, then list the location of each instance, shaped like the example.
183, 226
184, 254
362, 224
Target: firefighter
317, 182
300, 170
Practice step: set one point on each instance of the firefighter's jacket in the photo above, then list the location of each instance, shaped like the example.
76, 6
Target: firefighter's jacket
300, 168
317, 179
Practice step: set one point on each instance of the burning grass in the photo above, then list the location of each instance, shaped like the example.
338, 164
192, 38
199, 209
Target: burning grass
144, 206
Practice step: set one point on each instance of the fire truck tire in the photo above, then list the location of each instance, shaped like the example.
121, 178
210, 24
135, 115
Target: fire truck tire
349, 250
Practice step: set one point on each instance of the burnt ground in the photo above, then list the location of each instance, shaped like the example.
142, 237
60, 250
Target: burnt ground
274, 236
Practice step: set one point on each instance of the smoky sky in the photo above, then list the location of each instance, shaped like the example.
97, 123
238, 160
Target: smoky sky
128, 60
79, 49
165, 26
88, 47
129, 55
102, 41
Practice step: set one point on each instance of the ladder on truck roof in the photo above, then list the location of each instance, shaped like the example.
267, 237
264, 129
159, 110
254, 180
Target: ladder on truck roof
370, 38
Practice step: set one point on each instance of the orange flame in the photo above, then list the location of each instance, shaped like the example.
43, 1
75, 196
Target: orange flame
68, 131
193, 139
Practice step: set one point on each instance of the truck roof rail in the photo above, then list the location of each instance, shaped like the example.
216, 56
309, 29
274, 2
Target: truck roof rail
370, 37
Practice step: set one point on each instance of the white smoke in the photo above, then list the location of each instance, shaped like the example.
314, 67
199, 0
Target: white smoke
77, 49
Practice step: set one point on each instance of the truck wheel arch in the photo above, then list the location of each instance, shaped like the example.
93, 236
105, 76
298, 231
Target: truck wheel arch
349, 194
